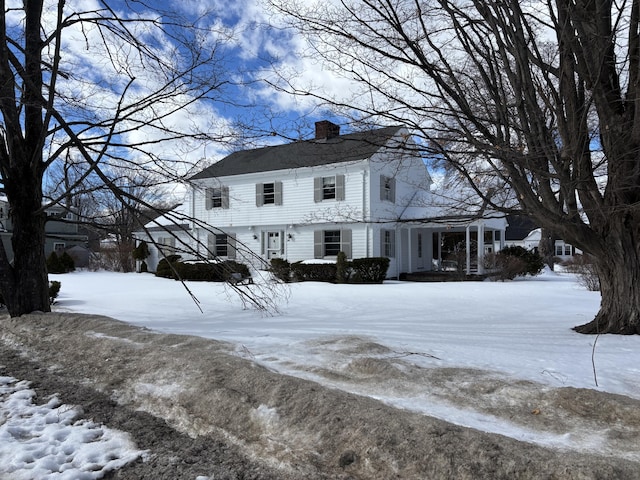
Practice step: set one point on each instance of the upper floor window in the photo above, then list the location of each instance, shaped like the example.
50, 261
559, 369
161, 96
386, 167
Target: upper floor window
217, 197
328, 188
269, 193
387, 189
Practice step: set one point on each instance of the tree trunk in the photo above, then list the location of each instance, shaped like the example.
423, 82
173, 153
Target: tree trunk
619, 271
25, 283
547, 247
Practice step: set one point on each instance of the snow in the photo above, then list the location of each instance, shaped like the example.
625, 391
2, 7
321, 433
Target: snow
46, 441
520, 330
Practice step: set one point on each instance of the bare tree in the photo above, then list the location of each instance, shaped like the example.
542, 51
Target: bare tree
115, 89
538, 99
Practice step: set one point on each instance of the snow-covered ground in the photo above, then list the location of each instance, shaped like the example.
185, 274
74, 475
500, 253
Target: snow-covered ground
47, 440
520, 330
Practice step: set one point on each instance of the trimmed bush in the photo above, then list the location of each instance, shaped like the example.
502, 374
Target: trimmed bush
164, 268
200, 271
342, 268
313, 272
281, 269
369, 270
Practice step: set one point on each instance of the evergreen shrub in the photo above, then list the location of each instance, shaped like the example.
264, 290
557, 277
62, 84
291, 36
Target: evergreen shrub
313, 272
200, 271
54, 290
54, 264
369, 270
67, 262
281, 269
164, 268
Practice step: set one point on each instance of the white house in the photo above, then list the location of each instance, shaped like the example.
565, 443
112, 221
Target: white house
362, 193
563, 250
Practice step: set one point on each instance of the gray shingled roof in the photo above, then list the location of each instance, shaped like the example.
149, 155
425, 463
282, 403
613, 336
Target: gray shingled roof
308, 153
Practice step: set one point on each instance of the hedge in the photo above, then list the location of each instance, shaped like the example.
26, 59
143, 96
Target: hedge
200, 271
359, 270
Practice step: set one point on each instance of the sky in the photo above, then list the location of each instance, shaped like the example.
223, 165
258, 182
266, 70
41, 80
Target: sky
512, 331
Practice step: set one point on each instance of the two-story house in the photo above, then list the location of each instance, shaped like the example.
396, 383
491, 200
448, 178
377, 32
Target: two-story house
61, 228
366, 194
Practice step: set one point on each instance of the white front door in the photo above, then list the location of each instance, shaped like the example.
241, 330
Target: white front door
274, 245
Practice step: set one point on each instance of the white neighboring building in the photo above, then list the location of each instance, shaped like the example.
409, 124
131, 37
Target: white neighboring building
563, 251
362, 193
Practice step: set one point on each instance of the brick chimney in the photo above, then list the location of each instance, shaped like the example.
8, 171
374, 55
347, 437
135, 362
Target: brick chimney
326, 130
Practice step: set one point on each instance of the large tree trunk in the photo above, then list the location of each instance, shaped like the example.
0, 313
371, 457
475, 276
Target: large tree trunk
618, 267
25, 284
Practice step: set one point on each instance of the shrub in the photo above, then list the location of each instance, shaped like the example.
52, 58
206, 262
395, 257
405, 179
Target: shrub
141, 252
54, 289
369, 270
281, 268
342, 268
585, 269
200, 271
54, 265
313, 272
144, 268
164, 268
67, 262
511, 262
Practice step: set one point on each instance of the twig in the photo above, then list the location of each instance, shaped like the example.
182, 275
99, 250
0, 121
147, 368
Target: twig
407, 354
593, 359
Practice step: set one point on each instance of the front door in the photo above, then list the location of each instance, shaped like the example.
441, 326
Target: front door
274, 245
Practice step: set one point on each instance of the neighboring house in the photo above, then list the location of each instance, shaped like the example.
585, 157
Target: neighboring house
523, 232
362, 193
61, 231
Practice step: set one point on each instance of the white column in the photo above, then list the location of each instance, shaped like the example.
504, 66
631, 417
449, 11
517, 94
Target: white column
468, 245
410, 251
480, 248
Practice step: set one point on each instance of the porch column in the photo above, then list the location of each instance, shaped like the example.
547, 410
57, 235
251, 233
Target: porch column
468, 251
439, 250
502, 234
480, 248
410, 250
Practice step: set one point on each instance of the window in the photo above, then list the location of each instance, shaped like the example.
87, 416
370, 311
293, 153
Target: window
269, 193
328, 188
567, 249
559, 250
166, 246
58, 247
217, 197
331, 243
328, 243
388, 243
387, 189
222, 245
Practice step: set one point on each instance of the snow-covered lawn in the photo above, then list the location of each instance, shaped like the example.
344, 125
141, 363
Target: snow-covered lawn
520, 330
